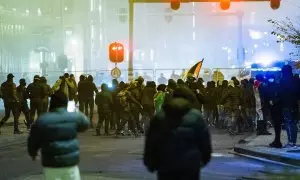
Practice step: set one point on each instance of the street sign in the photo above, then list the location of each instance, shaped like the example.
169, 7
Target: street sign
115, 73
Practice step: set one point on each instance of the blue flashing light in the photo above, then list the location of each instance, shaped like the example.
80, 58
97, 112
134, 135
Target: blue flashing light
272, 69
276, 65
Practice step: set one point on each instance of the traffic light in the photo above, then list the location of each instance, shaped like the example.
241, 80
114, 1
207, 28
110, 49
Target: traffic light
175, 4
275, 4
225, 4
116, 52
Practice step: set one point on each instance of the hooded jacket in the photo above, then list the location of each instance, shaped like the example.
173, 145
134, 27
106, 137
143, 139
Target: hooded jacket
55, 133
178, 139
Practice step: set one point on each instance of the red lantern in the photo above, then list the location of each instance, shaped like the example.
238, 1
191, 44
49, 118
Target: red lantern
116, 52
175, 4
275, 4
225, 4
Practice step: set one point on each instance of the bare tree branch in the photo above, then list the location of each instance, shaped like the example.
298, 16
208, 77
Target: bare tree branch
287, 31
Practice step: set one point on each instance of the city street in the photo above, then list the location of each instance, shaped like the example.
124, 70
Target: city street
107, 158
238, 60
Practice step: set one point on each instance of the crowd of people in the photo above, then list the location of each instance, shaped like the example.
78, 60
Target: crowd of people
235, 105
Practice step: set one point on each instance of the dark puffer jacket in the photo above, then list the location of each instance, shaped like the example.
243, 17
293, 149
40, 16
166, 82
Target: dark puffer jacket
178, 139
55, 134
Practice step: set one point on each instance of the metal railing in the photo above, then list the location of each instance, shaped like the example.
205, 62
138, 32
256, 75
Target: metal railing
104, 76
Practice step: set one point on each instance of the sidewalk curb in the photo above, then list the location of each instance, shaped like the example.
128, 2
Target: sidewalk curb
277, 158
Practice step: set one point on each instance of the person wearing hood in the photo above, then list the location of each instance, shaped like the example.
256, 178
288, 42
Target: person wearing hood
289, 97
178, 142
55, 135
274, 106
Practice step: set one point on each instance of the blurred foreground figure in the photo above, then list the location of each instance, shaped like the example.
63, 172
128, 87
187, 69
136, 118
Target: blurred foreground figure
289, 96
178, 141
55, 133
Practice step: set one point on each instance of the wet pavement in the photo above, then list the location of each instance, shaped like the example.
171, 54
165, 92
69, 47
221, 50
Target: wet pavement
107, 158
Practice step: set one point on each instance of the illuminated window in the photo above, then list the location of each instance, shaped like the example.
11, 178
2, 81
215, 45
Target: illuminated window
92, 5
39, 12
194, 21
92, 32
194, 36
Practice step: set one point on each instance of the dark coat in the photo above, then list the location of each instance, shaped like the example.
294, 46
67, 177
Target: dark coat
147, 97
104, 102
9, 92
210, 97
55, 133
35, 90
178, 140
248, 98
81, 90
22, 94
90, 89
232, 97
289, 93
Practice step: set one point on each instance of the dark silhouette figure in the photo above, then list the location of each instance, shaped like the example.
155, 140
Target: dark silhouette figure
23, 96
11, 102
178, 141
289, 97
104, 103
